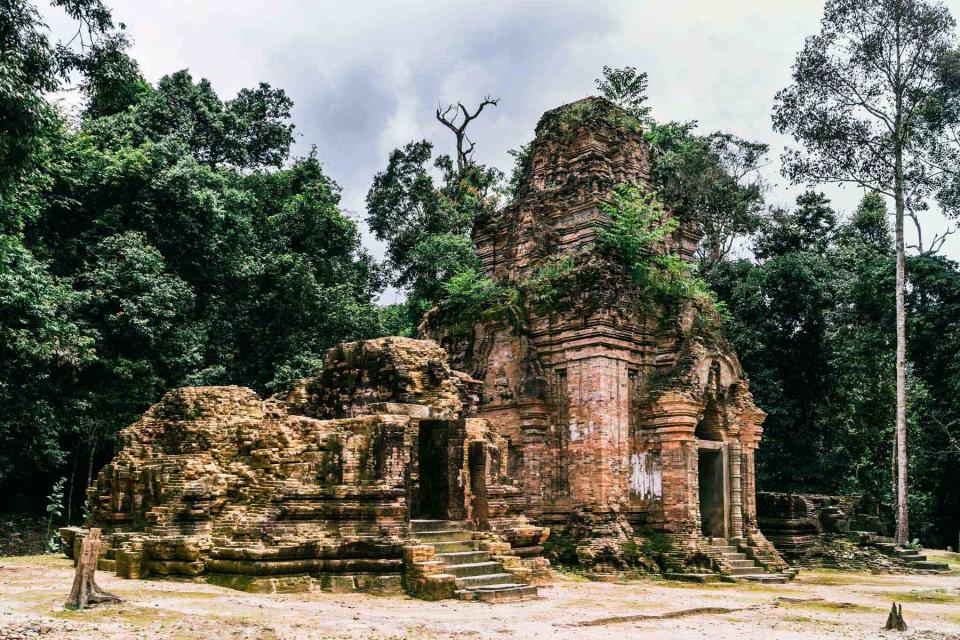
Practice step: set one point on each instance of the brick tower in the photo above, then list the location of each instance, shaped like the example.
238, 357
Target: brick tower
623, 415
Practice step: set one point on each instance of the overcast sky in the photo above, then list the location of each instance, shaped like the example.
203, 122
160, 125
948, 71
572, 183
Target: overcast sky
366, 76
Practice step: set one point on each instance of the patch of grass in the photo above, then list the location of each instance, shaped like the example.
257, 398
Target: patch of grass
812, 621
932, 596
568, 573
832, 607
679, 584
833, 577
148, 593
740, 587
951, 558
132, 614
43, 560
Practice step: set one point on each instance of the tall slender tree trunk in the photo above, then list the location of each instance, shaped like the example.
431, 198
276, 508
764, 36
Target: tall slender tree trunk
73, 476
903, 527
893, 465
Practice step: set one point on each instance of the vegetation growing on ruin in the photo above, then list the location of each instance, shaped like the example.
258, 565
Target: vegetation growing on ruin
637, 235
573, 118
522, 166
648, 551
471, 296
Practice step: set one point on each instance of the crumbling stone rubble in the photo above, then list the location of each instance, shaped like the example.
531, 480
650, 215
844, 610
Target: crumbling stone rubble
313, 488
840, 532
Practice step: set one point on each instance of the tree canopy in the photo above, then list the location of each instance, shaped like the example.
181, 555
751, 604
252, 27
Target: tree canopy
153, 242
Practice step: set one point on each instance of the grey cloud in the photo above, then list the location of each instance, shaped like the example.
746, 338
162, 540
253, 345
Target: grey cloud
367, 75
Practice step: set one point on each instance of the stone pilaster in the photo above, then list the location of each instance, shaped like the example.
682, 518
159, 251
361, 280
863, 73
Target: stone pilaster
534, 428
675, 418
736, 489
750, 439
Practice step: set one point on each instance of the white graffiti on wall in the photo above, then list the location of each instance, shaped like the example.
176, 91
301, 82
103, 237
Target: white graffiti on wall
646, 479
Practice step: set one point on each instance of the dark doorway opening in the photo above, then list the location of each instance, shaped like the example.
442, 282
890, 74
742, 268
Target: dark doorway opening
710, 462
432, 450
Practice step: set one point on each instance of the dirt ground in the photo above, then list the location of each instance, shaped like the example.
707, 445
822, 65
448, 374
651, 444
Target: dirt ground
819, 604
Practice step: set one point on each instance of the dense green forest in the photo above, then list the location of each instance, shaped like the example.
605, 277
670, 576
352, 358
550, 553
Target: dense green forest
160, 235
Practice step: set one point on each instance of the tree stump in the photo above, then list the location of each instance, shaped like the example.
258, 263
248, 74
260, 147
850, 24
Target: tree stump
85, 590
895, 619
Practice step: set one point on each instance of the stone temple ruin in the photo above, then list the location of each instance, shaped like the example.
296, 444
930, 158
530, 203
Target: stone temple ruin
608, 430
372, 476
838, 532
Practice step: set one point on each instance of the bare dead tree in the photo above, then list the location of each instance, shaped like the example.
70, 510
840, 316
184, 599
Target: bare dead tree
938, 239
456, 117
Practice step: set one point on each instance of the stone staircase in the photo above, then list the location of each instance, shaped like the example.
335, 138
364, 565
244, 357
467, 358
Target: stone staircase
910, 557
479, 577
736, 566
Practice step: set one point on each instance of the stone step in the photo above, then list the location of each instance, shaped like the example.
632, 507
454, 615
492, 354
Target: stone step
473, 569
731, 557
701, 578
444, 535
767, 578
468, 582
463, 557
419, 526
505, 593
745, 571
454, 547
928, 565
743, 563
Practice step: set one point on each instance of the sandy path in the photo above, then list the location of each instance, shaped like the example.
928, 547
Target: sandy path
818, 605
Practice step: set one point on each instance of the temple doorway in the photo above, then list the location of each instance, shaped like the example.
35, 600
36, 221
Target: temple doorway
432, 456
711, 476
712, 492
